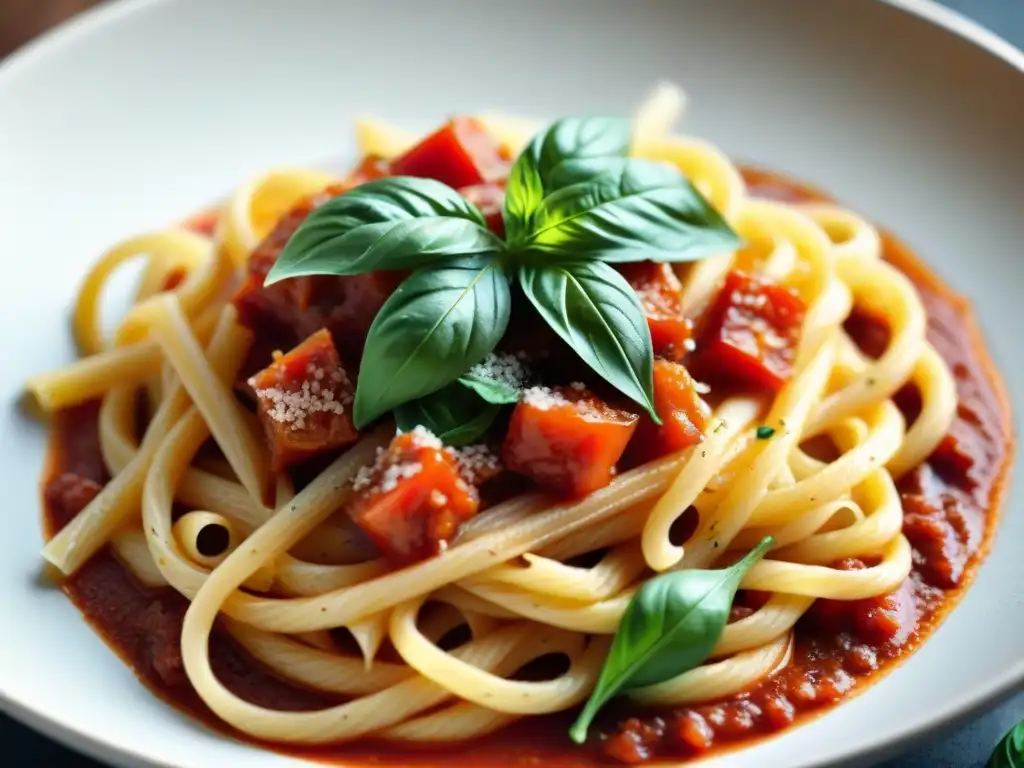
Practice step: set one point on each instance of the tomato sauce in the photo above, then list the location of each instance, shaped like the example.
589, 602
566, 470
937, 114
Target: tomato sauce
950, 509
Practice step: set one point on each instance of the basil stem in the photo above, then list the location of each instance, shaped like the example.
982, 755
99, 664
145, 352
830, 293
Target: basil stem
669, 627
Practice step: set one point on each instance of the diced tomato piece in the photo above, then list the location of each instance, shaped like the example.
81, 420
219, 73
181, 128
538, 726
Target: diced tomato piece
566, 439
461, 154
304, 399
489, 198
289, 311
683, 415
750, 334
370, 168
413, 500
661, 294
204, 223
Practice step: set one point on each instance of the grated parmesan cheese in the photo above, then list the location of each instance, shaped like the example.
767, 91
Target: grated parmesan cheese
473, 460
364, 476
503, 367
424, 438
397, 472
543, 398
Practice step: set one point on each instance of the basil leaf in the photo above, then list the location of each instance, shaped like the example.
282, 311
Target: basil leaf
524, 192
436, 325
456, 419
536, 170
491, 390
594, 309
1009, 753
669, 627
394, 223
628, 210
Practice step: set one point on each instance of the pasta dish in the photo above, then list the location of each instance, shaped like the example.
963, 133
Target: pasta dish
575, 441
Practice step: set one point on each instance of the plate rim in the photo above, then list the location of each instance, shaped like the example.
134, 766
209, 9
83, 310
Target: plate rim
982, 697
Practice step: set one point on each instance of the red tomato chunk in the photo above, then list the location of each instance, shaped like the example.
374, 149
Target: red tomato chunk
489, 198
304, 398
566, 439
370, 168
460, 154
683, 415
750, 334
413, 500
661, 294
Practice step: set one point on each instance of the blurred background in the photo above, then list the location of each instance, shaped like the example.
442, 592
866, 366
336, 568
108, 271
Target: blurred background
967, 747
21, 20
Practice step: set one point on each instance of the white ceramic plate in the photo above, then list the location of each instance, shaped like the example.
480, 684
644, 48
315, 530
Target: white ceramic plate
136, 114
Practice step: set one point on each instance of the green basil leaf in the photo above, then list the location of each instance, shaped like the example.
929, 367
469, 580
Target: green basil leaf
437, 324
394, 223
1009, 753
669, 627
594, 309
536, 171
457, 419
491, 390
524, 192
628, 210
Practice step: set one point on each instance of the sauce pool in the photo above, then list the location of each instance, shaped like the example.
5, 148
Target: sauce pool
950, 509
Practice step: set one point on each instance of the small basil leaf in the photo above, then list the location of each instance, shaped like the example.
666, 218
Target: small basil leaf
536, 171
524, 192
456, 419
1009, 753
594, 309
669, 627
394, 223
437, 324
628, 210
491, 390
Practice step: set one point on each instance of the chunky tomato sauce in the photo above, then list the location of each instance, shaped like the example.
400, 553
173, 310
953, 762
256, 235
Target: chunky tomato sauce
950, 510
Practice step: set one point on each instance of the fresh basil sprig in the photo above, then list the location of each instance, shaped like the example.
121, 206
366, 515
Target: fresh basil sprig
573, 200
670, 626
1009, 753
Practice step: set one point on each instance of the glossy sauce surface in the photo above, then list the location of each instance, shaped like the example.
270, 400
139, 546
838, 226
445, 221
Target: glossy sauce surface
950, 508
